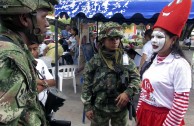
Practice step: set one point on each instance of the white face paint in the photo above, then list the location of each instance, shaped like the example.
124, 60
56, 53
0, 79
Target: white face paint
158, 40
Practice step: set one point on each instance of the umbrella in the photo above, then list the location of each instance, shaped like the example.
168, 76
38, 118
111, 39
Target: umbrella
128, 11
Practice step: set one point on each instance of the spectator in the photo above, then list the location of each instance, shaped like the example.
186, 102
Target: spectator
43, 46
66, 32
134, 55
92, 39
74, 39
65, 35
64, 44
74, 44
44, 75
187, 42
87, 48
50, 52
66, 57
147, 48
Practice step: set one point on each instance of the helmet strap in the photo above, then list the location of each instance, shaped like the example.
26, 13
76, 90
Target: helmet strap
35, 35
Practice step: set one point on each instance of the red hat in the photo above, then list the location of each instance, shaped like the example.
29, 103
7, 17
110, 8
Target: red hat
48, 38
94, 31
174, 16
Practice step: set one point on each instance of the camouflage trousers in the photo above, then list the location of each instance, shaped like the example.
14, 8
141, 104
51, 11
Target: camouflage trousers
102, 118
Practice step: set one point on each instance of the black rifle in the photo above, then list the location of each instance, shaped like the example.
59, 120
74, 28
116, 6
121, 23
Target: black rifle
55, 100
124, 83
131, 108
59, 123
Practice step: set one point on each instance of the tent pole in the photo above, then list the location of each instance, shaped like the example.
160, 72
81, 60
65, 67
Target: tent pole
80, 35
97, 30
79, 43
56, 51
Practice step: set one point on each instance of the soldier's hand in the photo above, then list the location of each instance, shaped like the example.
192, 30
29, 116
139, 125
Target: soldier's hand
89, 114
122, 100
40, 86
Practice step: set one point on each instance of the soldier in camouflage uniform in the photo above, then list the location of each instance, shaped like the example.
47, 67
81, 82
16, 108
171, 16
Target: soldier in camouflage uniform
22, 22
108, 84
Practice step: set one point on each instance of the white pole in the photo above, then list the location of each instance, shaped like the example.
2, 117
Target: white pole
192, 70
79, 43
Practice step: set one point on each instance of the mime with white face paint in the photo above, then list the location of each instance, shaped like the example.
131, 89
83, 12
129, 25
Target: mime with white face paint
166, 83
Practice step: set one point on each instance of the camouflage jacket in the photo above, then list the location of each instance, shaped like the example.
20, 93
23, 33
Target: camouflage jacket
18, 96
106, 85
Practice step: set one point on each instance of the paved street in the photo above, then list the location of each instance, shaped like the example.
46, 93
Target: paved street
73, 108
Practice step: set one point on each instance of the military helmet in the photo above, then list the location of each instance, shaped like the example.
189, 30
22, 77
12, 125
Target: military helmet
48, 4
110, 29
24, 6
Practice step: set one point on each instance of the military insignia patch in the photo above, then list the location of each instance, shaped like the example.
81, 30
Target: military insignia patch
21, 96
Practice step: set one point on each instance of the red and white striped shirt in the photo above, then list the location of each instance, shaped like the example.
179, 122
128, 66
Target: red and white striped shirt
179, 108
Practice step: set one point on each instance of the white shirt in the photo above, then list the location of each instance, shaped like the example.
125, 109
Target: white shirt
161, 80
137, 60
43, 70
188, 40
73, 42
147, 49
42, 48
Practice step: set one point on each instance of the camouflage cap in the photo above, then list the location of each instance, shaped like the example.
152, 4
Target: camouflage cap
24, 6
110, 29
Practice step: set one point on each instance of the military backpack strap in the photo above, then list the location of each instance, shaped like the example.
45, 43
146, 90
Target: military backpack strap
130, 105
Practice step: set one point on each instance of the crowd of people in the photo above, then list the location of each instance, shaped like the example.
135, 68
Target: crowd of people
70, 47
111, 77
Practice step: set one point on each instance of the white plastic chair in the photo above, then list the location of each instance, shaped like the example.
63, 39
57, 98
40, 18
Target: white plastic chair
67, 72
52, 71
